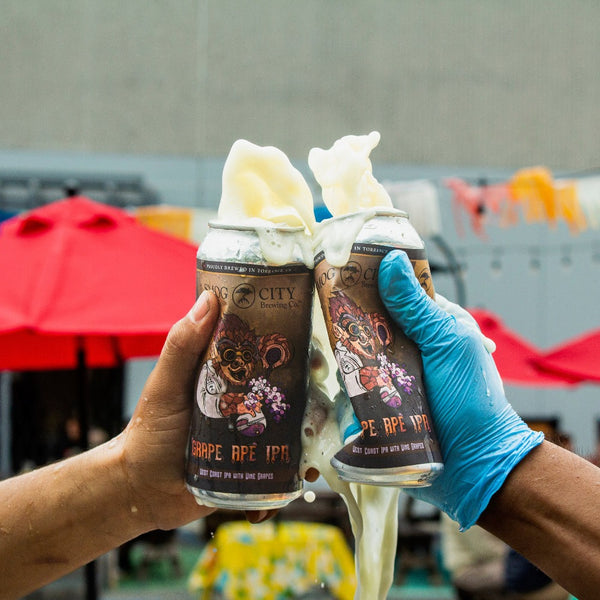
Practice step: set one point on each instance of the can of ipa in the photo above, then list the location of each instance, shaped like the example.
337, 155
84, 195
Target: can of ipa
244, 446
380, 366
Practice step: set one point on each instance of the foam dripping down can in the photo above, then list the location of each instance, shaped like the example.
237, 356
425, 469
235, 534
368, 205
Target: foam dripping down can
244, 446
381, 368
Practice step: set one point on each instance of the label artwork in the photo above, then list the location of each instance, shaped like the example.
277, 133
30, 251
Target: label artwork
252, 385
380, 366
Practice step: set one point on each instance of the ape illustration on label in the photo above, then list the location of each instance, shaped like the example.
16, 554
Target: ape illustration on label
245, 446
234, 382
381, 370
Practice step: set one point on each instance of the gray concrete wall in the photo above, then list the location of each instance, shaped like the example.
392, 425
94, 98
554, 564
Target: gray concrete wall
163, 89
458, 82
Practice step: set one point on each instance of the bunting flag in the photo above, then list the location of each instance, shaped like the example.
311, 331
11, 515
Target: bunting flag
533, 189
588, 195
479, 202
531, 192
190, 224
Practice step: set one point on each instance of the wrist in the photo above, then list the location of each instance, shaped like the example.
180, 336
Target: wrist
542, 479
546, 511
131, 509
493, 474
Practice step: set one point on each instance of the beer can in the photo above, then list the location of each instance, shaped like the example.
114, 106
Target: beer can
381, 368
244, 445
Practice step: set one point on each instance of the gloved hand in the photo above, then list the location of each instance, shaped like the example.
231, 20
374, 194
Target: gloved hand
481, 436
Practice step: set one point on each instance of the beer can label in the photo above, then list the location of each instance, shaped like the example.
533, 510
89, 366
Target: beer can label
252, 386
380, 366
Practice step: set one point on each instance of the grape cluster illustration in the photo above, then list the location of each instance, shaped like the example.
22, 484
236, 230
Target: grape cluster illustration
262, 391
397, 373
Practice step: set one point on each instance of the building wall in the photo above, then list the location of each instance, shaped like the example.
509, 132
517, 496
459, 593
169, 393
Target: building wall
462, 82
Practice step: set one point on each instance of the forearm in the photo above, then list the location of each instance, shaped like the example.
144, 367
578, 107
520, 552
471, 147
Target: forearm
548, 511
55, 519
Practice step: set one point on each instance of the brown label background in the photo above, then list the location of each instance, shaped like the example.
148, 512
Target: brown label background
268, 301
393, 435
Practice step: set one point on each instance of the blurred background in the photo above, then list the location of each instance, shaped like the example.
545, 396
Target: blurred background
136, 103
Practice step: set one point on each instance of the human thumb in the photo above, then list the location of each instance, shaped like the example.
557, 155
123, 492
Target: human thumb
174, 373
408, 304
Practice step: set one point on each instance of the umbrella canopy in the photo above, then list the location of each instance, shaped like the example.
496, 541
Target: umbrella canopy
515, 357
80, 275
579, 357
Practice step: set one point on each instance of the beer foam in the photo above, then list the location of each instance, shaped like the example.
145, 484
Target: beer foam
280, 247
336, 236
345, 175
373, 510
262, 189
350, 192
309, 496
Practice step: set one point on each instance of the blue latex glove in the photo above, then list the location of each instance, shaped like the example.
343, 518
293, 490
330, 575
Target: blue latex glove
481, 437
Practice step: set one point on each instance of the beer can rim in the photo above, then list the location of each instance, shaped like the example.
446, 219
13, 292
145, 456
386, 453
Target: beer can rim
274, 227
373, 212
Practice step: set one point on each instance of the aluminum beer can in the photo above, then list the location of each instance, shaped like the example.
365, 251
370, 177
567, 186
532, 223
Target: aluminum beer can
381, 368
245, 446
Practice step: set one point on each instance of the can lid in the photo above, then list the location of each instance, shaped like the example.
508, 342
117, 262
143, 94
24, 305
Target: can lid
372, 212
390, 212
265, 227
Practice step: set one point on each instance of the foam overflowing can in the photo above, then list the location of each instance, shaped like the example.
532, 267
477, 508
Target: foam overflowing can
380, 366
244, 446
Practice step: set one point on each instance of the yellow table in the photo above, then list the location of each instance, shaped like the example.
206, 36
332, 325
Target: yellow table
273, 561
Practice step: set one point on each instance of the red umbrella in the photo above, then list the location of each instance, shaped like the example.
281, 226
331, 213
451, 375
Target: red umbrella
515, 357
79, 275
579, 357
85, 285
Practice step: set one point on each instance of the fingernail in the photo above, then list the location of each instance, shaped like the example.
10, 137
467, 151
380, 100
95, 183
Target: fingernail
200, 307
262, 515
